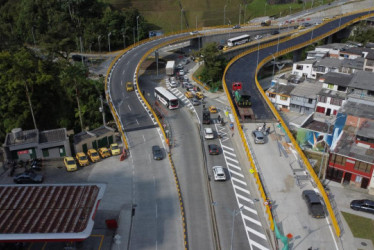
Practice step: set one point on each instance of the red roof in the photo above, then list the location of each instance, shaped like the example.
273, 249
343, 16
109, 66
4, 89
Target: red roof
48, 212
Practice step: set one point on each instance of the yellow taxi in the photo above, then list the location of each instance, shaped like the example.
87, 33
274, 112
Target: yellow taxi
93, 155
188, 94
212, 109
114, 149
104, 153
199, 95
82, 159
325, 19
129, 86
70, 164
225, 48
301, 27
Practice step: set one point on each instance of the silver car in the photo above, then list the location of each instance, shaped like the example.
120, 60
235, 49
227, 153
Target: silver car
258, 137
219, 173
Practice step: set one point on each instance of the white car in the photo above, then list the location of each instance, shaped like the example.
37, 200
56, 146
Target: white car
219, 173
257, 37
173, 84
181, 72
208, 133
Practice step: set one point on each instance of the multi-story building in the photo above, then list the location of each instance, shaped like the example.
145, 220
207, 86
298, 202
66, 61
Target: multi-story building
304, 97
279, 94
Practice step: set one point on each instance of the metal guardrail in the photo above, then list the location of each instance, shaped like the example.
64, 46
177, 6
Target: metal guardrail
275, 112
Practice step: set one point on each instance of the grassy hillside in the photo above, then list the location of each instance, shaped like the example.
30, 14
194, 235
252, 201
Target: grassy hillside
166, 14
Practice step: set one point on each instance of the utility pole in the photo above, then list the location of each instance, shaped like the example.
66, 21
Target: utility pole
102, 110
137, 27
240, 10
224, 15
29, 100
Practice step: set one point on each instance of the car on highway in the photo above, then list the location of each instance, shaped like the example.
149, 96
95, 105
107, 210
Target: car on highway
194, 32
363, 205
188, 85
212, 109
208, 133
307, 24
82, 159
257, 37
104, 152
274, 32
236, 27
173, 84
213, 149
325, 19
258, 137
314, 204
114, 149
181, 72
28, 177
199, 95
70, 164
195, 102
93, 155
157, 153
188, 94
129, 86
301, 27
219, 173
179, 67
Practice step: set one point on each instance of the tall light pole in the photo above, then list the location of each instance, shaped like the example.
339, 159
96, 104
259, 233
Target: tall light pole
234, 214
290, 10
110, 33
265, 8
98, 40
258, 53
181, 18
124, 37
137, 27
245, 9
240, 10
278, 37
196, 22
224, 15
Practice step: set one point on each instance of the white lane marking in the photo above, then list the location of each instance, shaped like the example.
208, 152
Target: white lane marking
227, 147
236, 173
254, 221
123, 72
241, 189
137, 121
129, 107
255, 232
244, 198
256, 244
231, 159
227, 152
240, 181
234, 166
143, 138
249, 209
332, 234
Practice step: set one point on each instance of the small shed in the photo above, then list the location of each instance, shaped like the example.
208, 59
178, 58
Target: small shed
96, 138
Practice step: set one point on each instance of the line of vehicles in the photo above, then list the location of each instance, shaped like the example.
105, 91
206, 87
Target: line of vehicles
93, 155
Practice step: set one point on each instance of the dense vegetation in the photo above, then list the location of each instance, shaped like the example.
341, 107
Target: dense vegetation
36, 40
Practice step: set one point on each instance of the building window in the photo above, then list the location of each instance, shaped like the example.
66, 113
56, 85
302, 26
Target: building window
310, 101
340, 160
299, 67
320, 110
272, 95
335, 101
45, 152
330, 86
370, 93
362, 166
341, 88
283, 98
322, 98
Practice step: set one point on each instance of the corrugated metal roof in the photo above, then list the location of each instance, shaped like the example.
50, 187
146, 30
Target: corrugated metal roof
27, 210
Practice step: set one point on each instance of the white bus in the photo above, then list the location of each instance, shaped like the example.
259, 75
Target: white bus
238, 40
166, 98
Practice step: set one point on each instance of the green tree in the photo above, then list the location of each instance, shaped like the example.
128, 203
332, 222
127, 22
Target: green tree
214, 63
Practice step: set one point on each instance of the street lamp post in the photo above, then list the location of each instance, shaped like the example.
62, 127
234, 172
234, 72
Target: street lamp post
181, 18
196, 22
224, 15
278, 37
290, 10
137, 27
240, 10
235, 212
98, 40
258, 53
109, 34
245, 10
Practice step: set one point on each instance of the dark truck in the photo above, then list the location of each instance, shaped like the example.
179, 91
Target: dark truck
206, 116
243, 101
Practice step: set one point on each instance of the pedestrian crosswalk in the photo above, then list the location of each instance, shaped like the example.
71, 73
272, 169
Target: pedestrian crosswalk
251, 221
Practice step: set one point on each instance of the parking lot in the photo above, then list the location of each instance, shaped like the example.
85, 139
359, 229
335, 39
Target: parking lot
110, 171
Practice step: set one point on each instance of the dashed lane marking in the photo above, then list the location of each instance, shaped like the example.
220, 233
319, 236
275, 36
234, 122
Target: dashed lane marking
242, 189
239, 181
227, 147
251, 230
232, 159
254, 221
256, 244
226, 152
249, 209
234, 166
244, 198
236, 173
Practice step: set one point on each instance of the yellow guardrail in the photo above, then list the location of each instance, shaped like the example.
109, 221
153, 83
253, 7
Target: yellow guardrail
200, 83
275, 112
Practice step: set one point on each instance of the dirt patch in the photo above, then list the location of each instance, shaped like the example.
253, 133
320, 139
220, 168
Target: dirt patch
289, 183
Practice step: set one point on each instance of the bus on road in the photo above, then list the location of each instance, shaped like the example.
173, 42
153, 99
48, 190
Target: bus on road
166, 98
238, 40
